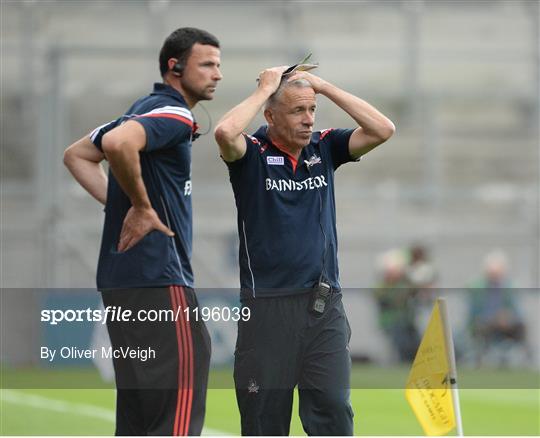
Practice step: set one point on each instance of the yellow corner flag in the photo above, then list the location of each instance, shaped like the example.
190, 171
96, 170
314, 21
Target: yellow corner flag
428, 388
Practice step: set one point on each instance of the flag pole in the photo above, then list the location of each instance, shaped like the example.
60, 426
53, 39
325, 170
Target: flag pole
452, 363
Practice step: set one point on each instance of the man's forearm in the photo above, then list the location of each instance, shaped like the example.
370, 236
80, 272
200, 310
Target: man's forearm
126, 168
83, 160
369, 118
92, 178
229, 130
238, 119
121, 146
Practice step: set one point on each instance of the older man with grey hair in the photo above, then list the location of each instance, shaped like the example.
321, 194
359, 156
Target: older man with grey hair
283, 183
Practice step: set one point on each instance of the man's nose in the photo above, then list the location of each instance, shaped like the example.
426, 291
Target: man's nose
309, 119
217, 75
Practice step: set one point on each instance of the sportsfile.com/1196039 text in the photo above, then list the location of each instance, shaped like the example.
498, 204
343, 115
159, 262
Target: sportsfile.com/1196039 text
119, 314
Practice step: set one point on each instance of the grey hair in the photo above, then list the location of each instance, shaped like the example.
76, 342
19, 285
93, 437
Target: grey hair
299, 83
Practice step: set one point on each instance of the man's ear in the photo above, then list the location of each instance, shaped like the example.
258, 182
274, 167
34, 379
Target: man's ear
269, 116
175, 67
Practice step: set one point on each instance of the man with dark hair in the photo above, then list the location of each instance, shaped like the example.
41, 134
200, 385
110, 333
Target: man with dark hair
283, 183
144, 263
179, 44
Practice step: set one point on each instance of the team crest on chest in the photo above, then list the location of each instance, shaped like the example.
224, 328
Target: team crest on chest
275, 161
314, 159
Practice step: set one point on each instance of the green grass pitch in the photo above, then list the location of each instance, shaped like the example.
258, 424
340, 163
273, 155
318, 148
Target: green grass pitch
377, 411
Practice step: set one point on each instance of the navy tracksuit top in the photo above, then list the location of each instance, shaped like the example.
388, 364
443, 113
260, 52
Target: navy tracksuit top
287, 213
157, 260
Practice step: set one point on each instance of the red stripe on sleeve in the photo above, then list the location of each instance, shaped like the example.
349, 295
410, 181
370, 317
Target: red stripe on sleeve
325, 133
170, 116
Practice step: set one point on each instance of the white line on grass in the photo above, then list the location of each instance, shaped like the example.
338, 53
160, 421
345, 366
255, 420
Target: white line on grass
523, 397
86, 410
40, 402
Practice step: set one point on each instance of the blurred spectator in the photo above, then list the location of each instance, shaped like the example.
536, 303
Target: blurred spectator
395, 301
495, 324
418, 259
422, 276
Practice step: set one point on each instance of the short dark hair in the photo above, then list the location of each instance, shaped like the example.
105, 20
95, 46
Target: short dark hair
179, 43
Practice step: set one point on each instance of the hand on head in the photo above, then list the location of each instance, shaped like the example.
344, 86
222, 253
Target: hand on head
271, 77
316, 82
